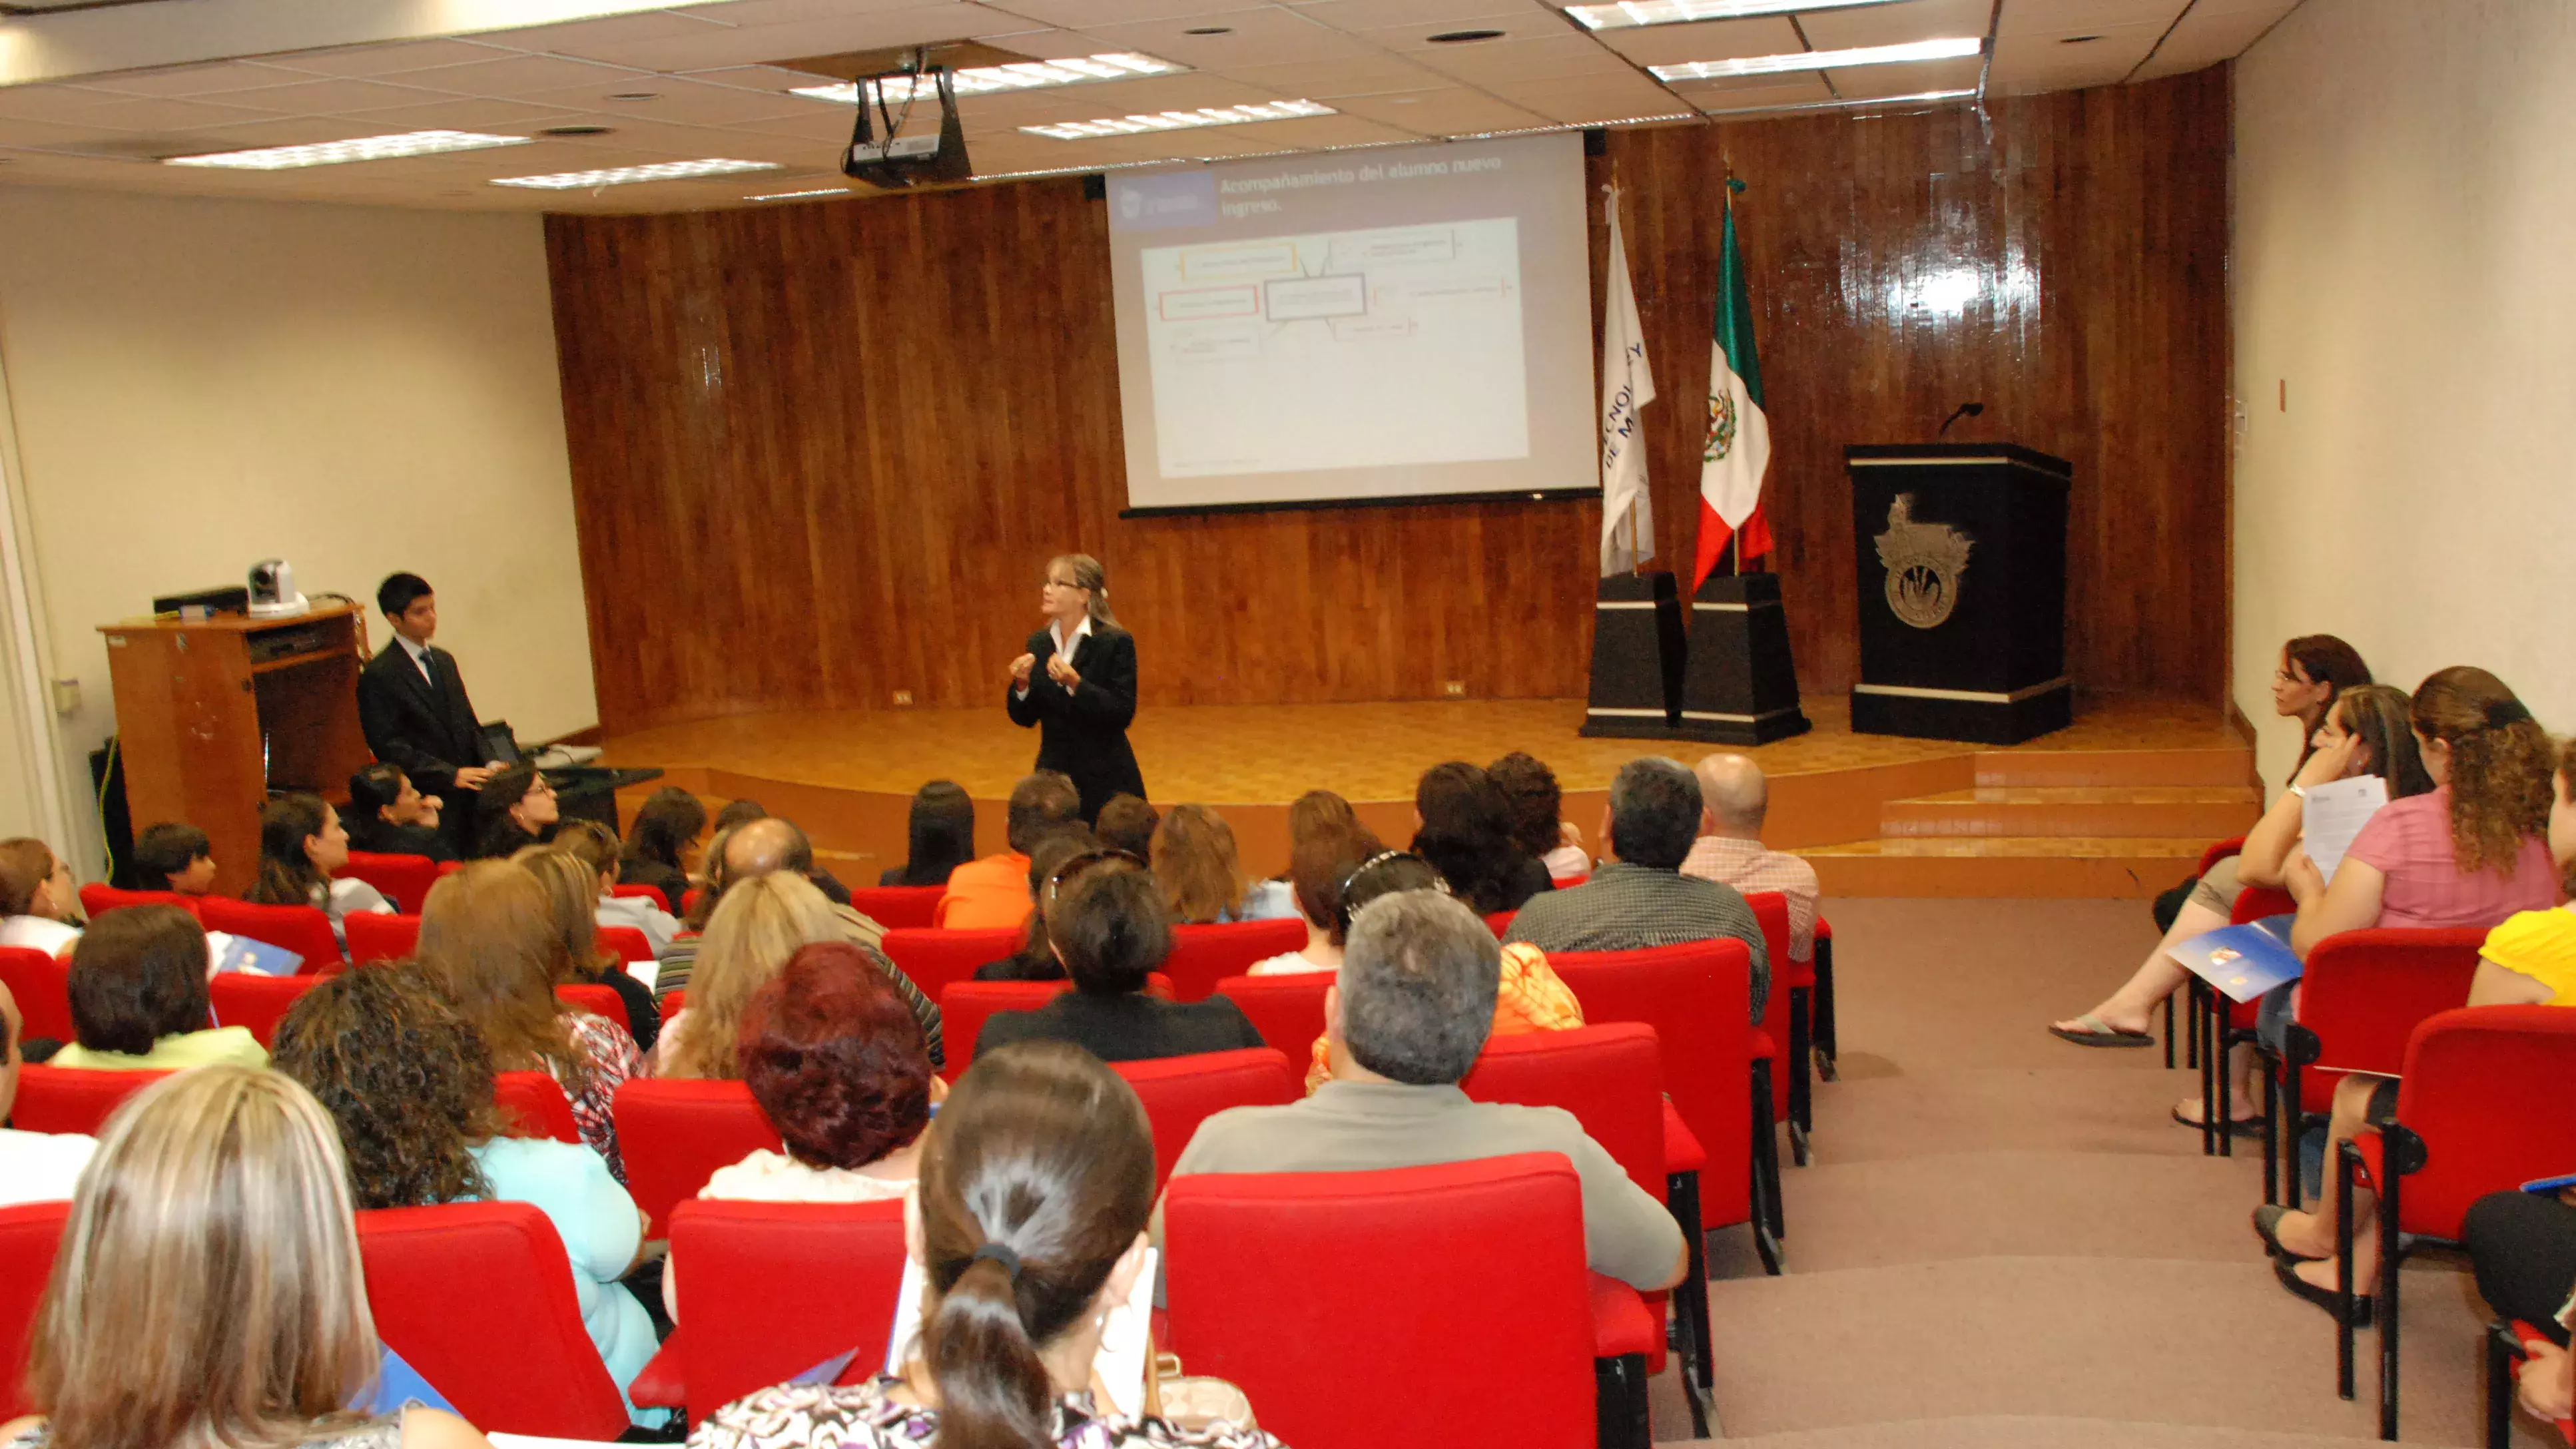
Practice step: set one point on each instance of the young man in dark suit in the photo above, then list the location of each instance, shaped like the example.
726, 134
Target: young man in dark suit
413, 708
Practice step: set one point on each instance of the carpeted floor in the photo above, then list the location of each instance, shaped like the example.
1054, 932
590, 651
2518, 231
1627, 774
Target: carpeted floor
2003, 1241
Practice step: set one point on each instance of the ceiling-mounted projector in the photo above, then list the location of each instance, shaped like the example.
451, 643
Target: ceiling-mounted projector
887, 150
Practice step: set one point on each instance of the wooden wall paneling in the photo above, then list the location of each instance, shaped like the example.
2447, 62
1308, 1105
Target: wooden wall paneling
820, 452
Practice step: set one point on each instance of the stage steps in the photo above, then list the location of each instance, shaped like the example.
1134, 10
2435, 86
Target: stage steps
2042, 823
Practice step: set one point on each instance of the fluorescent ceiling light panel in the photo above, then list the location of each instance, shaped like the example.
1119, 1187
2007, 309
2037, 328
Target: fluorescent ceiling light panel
1916, 98
363, 148
628, 175
1951, 48
1682, 12
1018, 76
1181, 120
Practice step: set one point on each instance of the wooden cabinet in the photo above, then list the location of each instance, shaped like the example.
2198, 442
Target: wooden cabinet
213, 715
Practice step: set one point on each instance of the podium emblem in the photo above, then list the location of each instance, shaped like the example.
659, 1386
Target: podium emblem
1924, 562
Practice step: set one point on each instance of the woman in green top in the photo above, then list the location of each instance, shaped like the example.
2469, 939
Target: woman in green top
138, 997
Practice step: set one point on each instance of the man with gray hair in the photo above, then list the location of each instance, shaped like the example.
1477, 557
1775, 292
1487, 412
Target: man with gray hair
1730, 852
1642, 899
1404, 1022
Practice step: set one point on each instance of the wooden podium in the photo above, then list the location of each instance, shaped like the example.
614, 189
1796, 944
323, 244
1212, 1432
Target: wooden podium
1961, 550
213, 715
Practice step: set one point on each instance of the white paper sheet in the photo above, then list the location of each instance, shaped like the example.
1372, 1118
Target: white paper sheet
2334, 813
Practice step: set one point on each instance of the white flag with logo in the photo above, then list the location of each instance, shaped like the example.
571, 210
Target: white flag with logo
1627, 385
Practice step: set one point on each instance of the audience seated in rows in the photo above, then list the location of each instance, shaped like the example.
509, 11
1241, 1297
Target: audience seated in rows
1037, 1180
1035, 960
218, 1198
175, 857
760, 924
516, 808
1406, 1019
574, 956
389, 816
836, 1061
410, 1086
488, 939
39, 905
1194, 859
993, 892
1128, 823
1318, 865
1638, 897
1464, 826
301, 848
942, 836
738, 813
34, 1166
595, 846
1735, 799
2474, 851
138, 997
1106, 921
660, 842
1535, 806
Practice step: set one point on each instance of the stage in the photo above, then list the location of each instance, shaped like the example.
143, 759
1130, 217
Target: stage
2100, 808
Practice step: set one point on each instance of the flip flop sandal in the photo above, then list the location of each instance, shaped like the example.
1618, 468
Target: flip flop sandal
2097, 1033
2240, 1127
2324, 1298
2267, 1226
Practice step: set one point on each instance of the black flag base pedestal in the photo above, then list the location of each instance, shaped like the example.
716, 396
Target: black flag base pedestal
1636, 658
1739, 688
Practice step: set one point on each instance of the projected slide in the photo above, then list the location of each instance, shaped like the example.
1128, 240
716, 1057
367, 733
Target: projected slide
1414, 322
1338, 349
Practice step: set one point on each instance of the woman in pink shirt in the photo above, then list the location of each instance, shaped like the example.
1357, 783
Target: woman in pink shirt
2471, 853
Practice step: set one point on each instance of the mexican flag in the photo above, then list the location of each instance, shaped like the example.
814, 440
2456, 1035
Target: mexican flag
1739, 439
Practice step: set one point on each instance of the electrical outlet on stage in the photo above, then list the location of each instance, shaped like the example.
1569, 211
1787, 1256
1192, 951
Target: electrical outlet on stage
1456, 688
903, 699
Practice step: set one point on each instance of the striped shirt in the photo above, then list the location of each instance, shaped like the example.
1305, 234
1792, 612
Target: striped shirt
1627, 907
1753, 869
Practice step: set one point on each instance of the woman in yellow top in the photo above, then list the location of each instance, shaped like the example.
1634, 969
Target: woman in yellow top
1531, 997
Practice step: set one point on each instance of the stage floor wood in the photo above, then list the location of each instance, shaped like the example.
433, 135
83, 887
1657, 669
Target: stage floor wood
1236, 755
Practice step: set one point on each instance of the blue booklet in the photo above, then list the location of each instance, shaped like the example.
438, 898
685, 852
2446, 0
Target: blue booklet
399, 1386
2243, 962
241, 953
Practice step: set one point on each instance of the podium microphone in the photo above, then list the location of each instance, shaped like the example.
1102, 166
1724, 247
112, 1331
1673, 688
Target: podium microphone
1966, 410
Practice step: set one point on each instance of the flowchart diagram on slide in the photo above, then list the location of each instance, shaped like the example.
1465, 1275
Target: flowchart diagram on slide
1338, 349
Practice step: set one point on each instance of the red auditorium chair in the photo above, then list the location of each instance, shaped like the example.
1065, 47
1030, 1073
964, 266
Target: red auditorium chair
846, 1260
2209, 860
1827, 1047
937, 960
1612, 1079
673, 1002
675, 1133
2220, 1025
2362, 995
29, 1235
535, 1105
628, 943
897, 908
967, 1005
1287, 1010
1181, 1092
596, 999
1202, 956
1797, 984
98, 900
689, 899
303, 930
1698, 992
1500, 922
374, 938
40, 984
447, 868
1281, 1283
2509, 1344
651, 893
73, 1099
474, 1295
2480, 1109
248, 998
402, 879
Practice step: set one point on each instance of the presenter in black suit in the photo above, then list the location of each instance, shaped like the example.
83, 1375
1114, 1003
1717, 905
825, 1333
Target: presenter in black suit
1077, 684
413, 708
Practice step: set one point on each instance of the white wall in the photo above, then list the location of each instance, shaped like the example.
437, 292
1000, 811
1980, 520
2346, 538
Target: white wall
2405, 209
200, 384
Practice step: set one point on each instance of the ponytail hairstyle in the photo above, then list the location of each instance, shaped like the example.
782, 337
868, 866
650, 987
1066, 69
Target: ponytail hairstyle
2501, 761
2380, 715
1090, 577
1036, 1177
286, 873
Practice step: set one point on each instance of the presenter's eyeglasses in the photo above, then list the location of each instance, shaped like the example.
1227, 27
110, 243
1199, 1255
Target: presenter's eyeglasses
1083, 862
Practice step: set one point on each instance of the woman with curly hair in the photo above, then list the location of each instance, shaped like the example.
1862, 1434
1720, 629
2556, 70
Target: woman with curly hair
1537, 809
410, 1086
488, 939
2471, 852
1464, 827
834, 1056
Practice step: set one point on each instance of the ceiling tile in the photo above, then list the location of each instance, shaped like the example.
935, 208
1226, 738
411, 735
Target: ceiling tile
1597, 99
315, 96
684, 102
54, 102
462, 113
2034, 61
847, 30
1895, 24
1324, 80
1499, 61
197, 80
1706, 40
582, 37
1448, 112
2199, 40
367, 60
2074, 17
1259, 37
1772, 91
166, 115
777, 80
1854, 82
1428, 17
526, 75
823, 123
1092, 14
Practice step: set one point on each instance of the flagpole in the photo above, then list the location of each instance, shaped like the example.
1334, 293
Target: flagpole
1735, 544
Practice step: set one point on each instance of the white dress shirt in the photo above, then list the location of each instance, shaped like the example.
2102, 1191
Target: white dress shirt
419, 658
1063, 649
